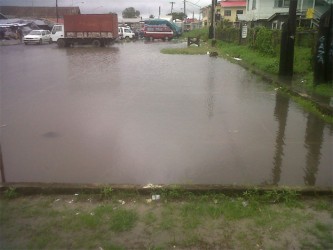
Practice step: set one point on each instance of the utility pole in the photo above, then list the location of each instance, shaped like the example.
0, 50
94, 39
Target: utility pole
172, 3
57, 10
286, 67
212, 24
185, 8
159, 11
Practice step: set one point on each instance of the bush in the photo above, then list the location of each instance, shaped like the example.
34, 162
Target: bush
267, 41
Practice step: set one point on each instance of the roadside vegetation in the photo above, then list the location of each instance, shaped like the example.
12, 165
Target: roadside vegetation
265, 61
115, 219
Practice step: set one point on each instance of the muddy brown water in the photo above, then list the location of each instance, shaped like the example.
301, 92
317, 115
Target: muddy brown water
128, 114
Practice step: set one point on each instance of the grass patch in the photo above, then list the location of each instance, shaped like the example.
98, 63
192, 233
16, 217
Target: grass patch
180, 219
123, 220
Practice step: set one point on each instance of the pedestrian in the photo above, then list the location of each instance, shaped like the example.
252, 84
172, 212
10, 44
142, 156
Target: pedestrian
19, 34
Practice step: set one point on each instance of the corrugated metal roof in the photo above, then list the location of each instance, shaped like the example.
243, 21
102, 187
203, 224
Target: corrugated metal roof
233, 4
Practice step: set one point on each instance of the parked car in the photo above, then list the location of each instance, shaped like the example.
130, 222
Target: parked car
38, 37
163, 32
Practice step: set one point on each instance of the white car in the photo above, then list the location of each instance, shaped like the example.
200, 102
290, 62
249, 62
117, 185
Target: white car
38, 37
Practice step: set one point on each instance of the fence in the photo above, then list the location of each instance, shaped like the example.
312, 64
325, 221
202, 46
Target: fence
265, 40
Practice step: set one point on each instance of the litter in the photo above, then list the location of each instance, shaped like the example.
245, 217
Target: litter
245, 203
149, 185
121, 202
155, 197
148, 200
76, 194
237, 59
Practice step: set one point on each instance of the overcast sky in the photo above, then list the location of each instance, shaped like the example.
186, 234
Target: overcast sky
146, 7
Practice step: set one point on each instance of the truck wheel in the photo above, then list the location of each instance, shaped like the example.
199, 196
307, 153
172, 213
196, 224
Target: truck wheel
61, 43
96, 43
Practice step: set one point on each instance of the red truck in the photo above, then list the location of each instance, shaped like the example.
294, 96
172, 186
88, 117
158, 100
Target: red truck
96, 29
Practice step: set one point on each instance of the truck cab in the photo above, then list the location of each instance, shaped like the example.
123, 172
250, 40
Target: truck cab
57, 32
125, 33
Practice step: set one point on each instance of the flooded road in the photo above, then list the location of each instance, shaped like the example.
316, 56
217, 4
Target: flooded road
128, 114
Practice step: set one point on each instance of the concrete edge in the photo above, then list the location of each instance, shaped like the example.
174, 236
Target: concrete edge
65, 188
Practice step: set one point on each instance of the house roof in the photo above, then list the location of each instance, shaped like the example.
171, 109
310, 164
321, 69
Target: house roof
233, 4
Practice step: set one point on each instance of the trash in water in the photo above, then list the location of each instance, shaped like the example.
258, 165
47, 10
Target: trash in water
71, 201
57, 200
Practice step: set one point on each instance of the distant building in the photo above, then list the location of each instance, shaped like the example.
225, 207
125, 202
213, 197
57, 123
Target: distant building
37, 12
273, 14
206, 13
192, 24
230, 9
133, 23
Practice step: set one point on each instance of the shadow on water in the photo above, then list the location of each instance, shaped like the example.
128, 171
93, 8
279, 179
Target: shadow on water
280, 113
313, 141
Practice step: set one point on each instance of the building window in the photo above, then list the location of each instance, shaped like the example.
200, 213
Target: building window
281, 3
227, 13
254, 4
239, 12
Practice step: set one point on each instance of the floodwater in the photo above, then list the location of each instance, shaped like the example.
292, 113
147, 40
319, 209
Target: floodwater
128, 114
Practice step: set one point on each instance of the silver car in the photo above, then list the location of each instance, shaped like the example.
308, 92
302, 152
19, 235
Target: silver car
38, 37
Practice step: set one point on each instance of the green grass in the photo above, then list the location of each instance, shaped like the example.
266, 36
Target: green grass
180, 219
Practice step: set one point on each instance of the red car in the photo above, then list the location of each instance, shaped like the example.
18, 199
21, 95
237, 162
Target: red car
157, 32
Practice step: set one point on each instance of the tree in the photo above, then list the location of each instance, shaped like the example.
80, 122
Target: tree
130, 12
151, 16
178, 15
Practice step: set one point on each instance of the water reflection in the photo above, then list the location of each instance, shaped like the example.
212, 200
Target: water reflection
313, 143
211, 88
280, 113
